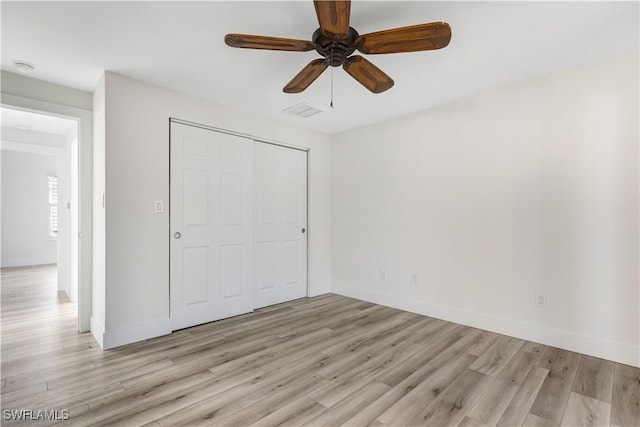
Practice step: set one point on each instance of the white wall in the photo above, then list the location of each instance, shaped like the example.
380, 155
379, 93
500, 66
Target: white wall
137, 173
489, 200
25, 209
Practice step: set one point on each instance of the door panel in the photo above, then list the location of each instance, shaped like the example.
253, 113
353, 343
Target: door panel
231, 199
196, 192
195, 264
292, 262
211, 259
267, 275
280, 176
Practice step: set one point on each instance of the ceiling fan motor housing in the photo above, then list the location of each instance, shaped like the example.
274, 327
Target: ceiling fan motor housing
335, 49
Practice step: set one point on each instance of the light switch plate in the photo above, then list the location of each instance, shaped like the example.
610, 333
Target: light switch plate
159, 206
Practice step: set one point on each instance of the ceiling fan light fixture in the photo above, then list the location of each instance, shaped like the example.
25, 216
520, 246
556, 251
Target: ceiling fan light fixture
24, 67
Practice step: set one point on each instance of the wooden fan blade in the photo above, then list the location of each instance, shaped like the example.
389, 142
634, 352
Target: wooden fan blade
370, 76
304, 78
435, 35
333, 16
271, 43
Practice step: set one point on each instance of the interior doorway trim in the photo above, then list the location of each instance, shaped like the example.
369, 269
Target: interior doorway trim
85, 190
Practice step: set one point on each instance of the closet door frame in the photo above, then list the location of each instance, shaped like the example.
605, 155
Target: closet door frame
256, 140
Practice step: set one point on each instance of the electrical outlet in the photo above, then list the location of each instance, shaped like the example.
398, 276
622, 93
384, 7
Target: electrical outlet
414, 278
540, 300
383, 275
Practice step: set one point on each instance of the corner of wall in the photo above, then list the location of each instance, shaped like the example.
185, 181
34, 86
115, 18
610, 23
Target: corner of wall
134, 333
595, 346
98, 305
97, 330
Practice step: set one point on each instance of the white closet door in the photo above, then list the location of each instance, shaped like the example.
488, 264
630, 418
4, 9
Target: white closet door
211, 254
280, 238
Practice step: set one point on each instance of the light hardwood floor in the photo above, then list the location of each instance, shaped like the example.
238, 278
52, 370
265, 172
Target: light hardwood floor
328, 360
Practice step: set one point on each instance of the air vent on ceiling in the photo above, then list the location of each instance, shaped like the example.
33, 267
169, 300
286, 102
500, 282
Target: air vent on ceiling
303, 110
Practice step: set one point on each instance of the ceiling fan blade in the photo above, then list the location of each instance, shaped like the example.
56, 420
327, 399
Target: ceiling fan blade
333, 16
304, 78
271, 43
370, 76
434, 35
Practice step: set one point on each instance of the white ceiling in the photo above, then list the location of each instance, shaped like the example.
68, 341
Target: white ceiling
180, 45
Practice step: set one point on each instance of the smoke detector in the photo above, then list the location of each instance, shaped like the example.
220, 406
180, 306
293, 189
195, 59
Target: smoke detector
24, 67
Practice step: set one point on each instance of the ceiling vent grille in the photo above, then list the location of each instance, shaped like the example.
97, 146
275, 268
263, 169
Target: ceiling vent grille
303, 110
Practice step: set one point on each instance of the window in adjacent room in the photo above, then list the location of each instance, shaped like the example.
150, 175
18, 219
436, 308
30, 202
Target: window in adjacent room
53, 205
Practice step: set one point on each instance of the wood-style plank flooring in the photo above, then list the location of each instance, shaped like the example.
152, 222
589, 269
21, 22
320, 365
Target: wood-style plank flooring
327, 360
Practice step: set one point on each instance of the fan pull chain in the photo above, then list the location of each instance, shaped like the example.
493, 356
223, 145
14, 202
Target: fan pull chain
331, 104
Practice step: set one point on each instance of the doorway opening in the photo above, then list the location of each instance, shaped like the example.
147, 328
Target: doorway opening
40, 202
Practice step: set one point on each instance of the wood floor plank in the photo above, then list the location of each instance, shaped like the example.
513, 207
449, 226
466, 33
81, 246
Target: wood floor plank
554, 393
337, 415
274, 362
594, 378
223, 407
277, 351
118, 407
452, 405
289, 381
536, 421
432, 362
442, 347
494, 401
169, 405
471, 422
326, 360
345, 384
625, 401
425, 392
518, 409
294, 414
585, 411
497, 356
485, 340
277, 397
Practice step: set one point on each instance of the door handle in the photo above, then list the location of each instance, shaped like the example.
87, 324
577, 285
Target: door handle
303, 230
177, 235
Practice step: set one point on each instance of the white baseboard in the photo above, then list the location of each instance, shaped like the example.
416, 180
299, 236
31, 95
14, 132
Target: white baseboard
620, 352
97, 330
134, 333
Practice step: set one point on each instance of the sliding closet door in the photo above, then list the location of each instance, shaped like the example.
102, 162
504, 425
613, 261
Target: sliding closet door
211, 250
280, 237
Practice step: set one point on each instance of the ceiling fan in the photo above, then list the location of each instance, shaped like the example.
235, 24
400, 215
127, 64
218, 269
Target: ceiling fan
335, 41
